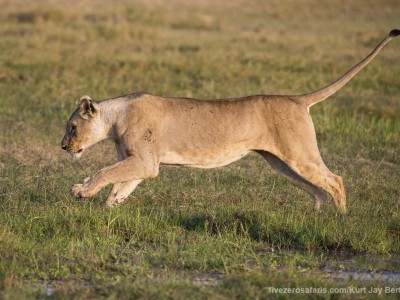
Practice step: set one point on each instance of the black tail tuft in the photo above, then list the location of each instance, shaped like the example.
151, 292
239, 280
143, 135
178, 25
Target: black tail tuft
394, 32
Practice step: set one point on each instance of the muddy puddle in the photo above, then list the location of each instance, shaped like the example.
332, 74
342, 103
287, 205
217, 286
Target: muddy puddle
340, 268
344, 267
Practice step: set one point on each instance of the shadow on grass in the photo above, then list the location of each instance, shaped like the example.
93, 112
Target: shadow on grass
274, 230
239, 222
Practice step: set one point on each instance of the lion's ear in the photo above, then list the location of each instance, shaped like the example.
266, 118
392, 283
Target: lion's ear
87, 107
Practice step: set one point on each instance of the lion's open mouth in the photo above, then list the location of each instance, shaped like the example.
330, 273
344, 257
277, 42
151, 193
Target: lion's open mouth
76, 154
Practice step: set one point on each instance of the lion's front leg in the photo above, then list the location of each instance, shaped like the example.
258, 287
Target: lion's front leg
129, 170
121, 191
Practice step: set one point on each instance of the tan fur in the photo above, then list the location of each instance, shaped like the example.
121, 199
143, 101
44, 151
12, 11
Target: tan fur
150, 131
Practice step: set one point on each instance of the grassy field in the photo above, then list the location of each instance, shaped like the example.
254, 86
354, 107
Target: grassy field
225, 233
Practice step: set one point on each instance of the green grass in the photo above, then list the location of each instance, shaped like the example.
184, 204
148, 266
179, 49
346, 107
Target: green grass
225, 233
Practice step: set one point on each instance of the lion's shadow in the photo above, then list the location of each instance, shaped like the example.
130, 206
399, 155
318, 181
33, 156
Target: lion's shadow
259, 227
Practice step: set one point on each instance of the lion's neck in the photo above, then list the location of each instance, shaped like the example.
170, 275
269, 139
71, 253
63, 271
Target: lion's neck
110, 115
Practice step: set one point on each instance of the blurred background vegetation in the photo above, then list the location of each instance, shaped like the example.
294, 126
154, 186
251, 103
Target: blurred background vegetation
53, 52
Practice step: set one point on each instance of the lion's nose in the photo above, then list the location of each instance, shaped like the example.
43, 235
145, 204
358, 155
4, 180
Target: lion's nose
64, 145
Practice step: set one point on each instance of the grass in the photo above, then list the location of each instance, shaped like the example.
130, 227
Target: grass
225, 233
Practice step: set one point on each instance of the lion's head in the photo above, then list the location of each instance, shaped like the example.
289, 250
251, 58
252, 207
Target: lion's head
83, 128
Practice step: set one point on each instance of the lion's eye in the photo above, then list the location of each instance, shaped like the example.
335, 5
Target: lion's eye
73, 129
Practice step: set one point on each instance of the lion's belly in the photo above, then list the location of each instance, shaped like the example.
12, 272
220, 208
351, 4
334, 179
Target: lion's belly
202, 159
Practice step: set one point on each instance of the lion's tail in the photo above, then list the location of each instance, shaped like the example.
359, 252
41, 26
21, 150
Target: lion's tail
317, 96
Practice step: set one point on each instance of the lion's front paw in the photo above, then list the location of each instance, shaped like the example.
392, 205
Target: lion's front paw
82, 191
77, 191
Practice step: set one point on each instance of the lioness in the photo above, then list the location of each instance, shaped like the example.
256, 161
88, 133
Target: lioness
150, 130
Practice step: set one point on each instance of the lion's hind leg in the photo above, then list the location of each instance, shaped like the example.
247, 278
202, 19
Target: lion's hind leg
315, 176
318, 194
317, 173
